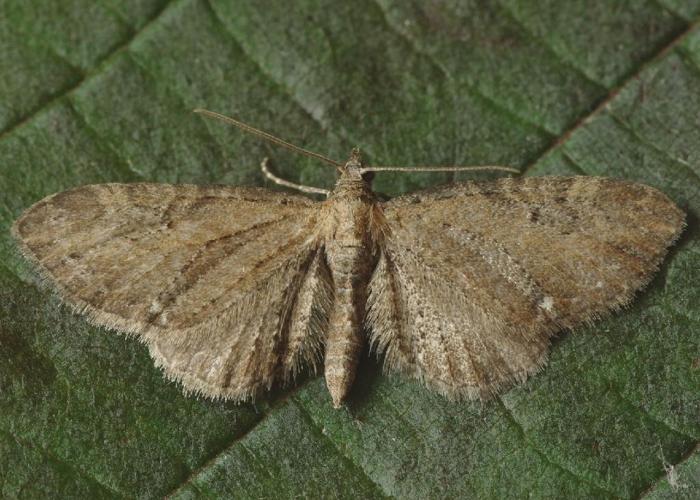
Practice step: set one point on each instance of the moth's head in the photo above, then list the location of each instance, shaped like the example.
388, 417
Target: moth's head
355, 161
355, 167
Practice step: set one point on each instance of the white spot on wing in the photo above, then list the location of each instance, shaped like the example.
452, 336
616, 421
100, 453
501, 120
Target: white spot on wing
546, 303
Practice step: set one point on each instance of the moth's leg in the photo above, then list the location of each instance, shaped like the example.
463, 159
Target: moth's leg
264, 166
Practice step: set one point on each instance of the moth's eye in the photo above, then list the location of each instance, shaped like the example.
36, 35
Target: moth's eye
368, 176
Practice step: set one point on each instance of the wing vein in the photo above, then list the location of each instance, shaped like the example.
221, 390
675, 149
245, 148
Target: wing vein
189, 280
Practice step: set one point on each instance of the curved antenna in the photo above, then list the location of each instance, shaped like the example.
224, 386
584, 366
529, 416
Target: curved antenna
267, 136
265, 167
441, 169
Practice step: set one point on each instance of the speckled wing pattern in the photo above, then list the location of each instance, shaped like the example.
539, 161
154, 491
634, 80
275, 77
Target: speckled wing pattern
474, 278
226, 285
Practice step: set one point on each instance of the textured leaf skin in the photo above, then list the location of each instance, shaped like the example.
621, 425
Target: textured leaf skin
101, 92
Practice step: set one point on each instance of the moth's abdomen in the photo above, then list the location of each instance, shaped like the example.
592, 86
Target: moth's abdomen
351, 259
344, 343
351, 264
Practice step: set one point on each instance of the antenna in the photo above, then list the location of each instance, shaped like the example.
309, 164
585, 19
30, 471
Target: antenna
447, 168
276, 140
267, 136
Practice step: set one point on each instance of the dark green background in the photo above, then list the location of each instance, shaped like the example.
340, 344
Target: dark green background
102, 91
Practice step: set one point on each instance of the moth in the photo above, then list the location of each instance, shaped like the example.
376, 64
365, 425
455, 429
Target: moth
235, 289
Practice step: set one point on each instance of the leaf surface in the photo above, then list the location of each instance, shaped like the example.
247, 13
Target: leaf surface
102, 91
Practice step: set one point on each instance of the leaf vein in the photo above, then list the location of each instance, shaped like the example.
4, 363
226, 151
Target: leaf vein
133, 56
684, 458
645, 142
603, 104
542, 42
473, 90
236, 440
96, 135
521, 430
305, 414
287, 91
99, 64
646, 414
48, 455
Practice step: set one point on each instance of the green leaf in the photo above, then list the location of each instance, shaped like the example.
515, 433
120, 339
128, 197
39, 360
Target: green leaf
102, 91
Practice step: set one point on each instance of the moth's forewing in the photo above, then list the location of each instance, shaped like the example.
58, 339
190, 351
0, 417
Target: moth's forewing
476, 277
206, 276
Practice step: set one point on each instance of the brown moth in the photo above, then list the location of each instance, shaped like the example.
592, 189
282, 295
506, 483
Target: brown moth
235, 289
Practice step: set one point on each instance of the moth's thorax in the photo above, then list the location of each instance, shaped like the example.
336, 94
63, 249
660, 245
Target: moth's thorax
351, 183
348, 212
349, 238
